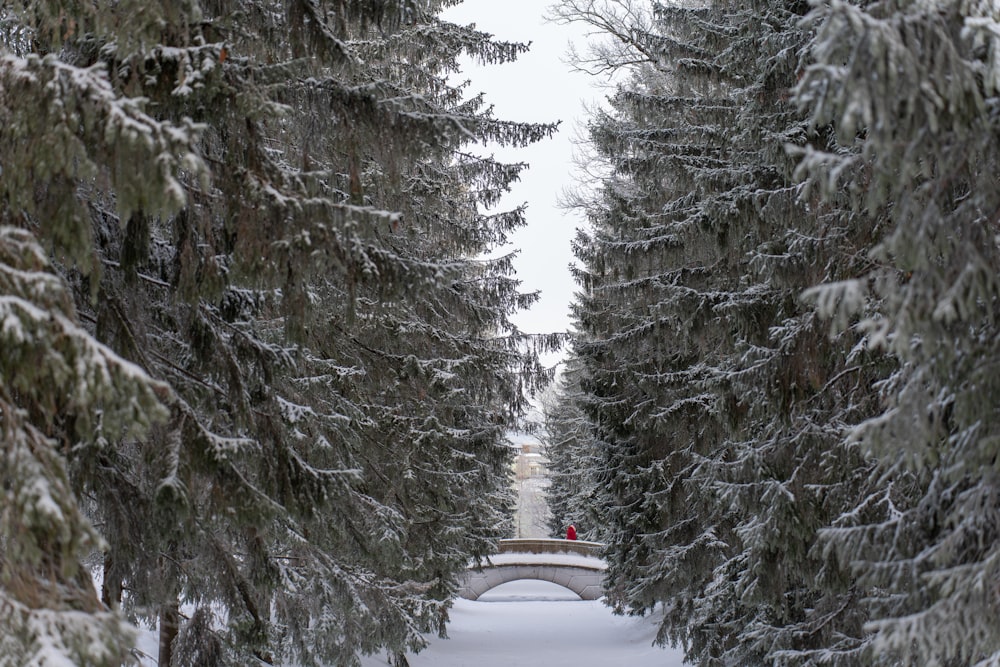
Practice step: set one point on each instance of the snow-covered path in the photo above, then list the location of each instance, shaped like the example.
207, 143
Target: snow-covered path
528, 624
535, 623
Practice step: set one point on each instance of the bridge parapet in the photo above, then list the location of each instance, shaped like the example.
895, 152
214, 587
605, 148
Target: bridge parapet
550, 546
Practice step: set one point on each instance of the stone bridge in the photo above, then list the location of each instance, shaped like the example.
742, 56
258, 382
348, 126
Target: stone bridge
574, 564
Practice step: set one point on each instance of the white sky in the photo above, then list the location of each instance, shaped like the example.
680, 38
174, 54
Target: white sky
538, 87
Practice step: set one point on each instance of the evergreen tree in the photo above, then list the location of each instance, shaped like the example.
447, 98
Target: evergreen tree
573, 459
739, 484
60, 391
64, 396
718, 400
910, 89
271, 209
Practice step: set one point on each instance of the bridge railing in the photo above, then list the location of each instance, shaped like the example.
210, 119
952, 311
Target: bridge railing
550, 546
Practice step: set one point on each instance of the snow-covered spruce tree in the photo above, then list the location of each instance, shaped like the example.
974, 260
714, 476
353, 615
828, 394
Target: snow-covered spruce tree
912, 92
644, 324
786, 390
717, 396
619, 321
343, 370
59, 390
574, 458
63, 396
418, 351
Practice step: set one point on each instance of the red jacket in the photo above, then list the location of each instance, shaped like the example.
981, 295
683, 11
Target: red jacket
571, 532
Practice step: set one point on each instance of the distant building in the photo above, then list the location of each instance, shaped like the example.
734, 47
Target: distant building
529, 460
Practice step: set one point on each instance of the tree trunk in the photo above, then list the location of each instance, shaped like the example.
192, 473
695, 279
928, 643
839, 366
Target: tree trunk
111, 586
169, 627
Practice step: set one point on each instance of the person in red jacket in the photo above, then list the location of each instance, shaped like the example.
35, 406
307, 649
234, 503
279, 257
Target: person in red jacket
571, 532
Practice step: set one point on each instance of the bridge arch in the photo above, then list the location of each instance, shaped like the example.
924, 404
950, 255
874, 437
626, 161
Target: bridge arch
570, 563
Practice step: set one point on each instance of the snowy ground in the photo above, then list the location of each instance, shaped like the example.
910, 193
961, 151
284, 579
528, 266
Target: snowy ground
528, 624
539, 624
